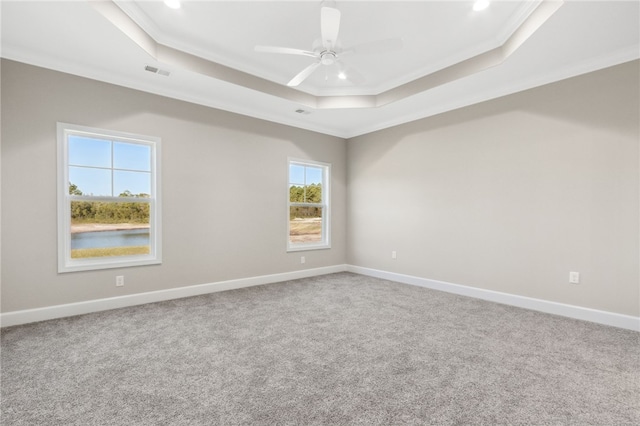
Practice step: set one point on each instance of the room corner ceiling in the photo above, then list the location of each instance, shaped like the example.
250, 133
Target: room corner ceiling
452, 56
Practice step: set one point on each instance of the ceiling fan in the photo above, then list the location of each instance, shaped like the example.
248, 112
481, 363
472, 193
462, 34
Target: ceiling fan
329, 52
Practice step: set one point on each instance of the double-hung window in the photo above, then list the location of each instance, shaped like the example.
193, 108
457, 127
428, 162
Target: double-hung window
309, 214
108, 199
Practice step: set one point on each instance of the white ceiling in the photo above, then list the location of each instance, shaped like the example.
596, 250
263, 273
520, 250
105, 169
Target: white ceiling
82, 39
226, 32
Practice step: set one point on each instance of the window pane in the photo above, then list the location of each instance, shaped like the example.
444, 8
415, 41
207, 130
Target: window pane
90, 181
314, 175
91, 152
296, 194
296, 174
305, 224
107, 229
129, 184
131, 156
313, 193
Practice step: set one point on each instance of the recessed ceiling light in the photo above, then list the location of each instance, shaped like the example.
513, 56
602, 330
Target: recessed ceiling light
173, 4
342, 76
480, 5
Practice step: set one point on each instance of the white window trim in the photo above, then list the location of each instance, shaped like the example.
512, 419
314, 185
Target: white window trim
65, 262
326, 204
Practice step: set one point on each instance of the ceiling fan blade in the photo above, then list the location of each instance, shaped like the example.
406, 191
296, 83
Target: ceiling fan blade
285, 50
302, 75
329, 26
378, 46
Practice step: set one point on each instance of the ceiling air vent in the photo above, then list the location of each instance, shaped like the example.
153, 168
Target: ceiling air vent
303, 111
156, 70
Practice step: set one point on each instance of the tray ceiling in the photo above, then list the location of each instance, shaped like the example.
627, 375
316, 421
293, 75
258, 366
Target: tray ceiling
452, 56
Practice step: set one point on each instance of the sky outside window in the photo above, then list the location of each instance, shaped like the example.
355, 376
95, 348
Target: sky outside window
296, 174
314, 175
131, 156
91, 181
89, 152
102, 167
304, 175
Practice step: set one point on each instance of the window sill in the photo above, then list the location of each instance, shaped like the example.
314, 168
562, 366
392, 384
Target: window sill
92, 265
308, 247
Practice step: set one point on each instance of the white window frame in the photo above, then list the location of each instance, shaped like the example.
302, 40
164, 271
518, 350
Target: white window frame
325, 243
65, 262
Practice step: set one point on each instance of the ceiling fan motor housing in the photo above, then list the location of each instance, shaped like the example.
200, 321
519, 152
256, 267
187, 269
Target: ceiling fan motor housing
328, 57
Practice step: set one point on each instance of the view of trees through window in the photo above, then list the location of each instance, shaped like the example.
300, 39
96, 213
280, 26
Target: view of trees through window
306, 206
123, 227
109, 189
108, 199
305, 222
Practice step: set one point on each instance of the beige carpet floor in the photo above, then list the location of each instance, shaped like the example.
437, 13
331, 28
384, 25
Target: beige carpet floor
339, 349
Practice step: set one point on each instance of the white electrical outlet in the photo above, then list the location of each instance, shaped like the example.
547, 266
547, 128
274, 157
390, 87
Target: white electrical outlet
120, 281
574, 277
302, 259
394, 255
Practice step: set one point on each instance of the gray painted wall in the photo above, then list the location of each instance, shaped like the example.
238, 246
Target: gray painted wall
224, 188
510, 195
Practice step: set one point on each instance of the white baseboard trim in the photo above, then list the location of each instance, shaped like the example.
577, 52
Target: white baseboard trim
59, 311
577, 312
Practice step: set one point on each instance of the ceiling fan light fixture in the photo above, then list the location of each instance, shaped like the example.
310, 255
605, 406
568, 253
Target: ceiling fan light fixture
480, 5
173, 4
328, 58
